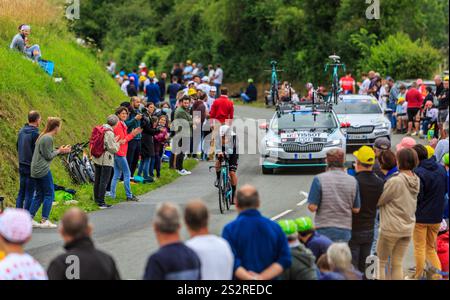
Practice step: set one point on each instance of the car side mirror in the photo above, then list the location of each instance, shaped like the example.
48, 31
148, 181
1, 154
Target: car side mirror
264, 126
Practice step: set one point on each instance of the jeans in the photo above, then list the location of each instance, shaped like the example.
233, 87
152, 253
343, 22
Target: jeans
102, 176
173, 102
336, 234
376, 233
218, 89
134, 150
425, 236
425, 126
245, 98
146, 167
26, 192
30, 53
360, 245
45, 194
121, 167
179, 161
391, 251
158, 164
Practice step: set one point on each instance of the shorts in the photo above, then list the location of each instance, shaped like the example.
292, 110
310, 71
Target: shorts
412, 113
443, 113
232, 162
403, 117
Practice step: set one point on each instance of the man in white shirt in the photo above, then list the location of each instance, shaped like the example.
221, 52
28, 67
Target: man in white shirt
125, 84
204, 86
218, 79
15, 232
211, 72
365, 85
211, 96
216, 256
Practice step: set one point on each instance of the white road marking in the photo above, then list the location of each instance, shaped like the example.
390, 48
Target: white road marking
281, 215
302, 202
305, 196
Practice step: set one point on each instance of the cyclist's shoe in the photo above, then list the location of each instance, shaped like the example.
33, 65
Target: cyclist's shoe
216, 183
104, 206
184, 172
133, 199
47, 225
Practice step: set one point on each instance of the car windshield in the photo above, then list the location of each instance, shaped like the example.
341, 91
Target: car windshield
297, 120
357, 106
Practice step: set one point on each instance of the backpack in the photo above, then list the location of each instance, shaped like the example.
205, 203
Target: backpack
97, 141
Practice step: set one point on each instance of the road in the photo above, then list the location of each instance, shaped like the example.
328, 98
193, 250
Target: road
124, 231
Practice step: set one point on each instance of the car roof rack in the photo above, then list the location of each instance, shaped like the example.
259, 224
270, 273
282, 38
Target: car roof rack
290, 107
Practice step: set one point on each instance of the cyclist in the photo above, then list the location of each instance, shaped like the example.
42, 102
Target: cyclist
228, 149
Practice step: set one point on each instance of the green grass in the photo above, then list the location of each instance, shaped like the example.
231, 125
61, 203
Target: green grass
84, 99
84, 194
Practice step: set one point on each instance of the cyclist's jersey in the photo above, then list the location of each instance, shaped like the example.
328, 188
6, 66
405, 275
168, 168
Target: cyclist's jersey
347, 83
231, 152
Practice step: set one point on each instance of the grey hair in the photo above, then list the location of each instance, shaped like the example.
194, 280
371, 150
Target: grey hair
339, 256
167, 218
112, 120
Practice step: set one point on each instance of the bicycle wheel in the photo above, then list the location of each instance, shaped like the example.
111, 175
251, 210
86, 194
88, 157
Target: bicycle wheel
229, 194
82, 170
221, 206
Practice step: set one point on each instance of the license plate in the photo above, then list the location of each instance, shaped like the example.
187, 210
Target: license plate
357, 137
304, 155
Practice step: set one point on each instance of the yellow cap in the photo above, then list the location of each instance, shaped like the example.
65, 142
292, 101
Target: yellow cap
192, 92
430, 151
188, 62
152, 74
446, 78
366, 155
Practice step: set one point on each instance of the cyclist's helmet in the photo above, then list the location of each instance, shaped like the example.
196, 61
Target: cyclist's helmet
288, 226
226, 130
304, 224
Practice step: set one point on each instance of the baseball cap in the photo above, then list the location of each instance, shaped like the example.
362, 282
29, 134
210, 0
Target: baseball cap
407, 142
419, 81
192, 92
213, 89
366, 155
288, 226
430, 151
152, 74
15, 225
445, 159
389, 78
382, 143
205, 79
250, 80
446, 78
304, 224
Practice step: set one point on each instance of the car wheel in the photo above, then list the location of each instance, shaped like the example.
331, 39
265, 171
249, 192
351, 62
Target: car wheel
267, 171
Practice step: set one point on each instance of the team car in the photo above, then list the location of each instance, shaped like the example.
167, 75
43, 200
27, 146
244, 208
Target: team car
362, 119
300, 136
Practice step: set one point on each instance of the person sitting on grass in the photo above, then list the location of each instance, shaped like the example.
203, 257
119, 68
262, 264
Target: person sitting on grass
20, 43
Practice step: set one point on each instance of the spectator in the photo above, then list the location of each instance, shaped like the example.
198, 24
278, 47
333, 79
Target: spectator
160, 139
430, 209
363, 223
439, 86
201, 71
183, 123
340, 263
348, 84
259, 245
134, 78
375, 84
172, 90
388, 164
222, 109
125, 83
381, 144
442, 247
211, 97
147, 165
199, 113
333, 197
392, 100
15, 232
134, 146
94, 264
397, 207
162, 86
251, 93
120, 162
401, 111
20, 43
207, 246
303, 260
364, 87
153, 92
104, 164
313, 240
143, 68
429, 118
415, 99
43, 155
26, 142
177, 72
187, 72
421, 87
111, 67
443, 100
174, 260
204, 86
132, 88
211, 72
218, 79
406, 143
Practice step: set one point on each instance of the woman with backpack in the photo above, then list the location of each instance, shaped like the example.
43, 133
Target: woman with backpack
43, 155
120, 158
104, 145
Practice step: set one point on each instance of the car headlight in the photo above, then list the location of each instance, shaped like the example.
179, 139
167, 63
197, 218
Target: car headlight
272, 144
382, 126
333, 143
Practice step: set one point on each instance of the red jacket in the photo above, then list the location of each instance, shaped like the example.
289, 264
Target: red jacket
442, 251
414, 98
121, 132
222, 109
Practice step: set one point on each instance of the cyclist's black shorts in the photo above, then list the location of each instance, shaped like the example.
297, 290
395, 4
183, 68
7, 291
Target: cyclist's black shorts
232, 162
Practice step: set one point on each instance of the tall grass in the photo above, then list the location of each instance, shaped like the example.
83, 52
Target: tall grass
38, 12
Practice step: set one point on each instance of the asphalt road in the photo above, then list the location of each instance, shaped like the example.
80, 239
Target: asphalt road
124, 231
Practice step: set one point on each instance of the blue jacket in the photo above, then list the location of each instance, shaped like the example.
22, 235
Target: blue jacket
153, 93
433, 187
257, 242
136, 79
318, 244
173, 90
25, 147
